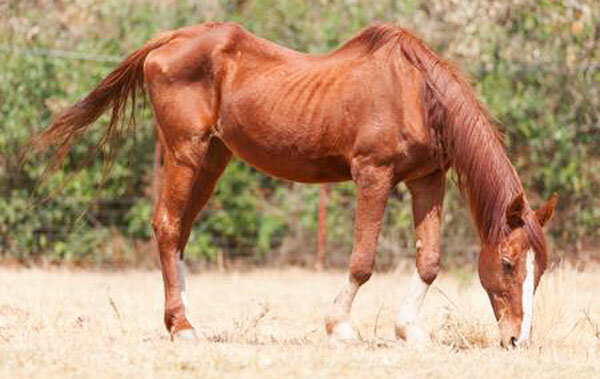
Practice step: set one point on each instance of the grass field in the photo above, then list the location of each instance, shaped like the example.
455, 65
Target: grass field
268, 323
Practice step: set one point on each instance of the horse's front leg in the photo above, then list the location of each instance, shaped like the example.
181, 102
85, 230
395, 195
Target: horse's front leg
374, 184
427, 198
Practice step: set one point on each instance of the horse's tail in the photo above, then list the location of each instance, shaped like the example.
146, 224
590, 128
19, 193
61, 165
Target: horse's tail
124, 83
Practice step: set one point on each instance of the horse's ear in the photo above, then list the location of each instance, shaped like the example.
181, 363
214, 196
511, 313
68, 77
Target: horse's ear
514, 213
545, 213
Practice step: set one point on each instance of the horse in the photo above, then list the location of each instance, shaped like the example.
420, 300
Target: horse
381, 109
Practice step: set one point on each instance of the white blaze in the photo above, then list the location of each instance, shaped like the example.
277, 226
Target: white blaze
527, 297
181, 275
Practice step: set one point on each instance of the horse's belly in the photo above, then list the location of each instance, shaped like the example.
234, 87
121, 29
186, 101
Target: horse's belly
288, 154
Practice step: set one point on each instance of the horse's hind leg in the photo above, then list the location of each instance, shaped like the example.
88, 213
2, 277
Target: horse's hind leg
215, 162
427, 198
193, 162
185, 192
374, 185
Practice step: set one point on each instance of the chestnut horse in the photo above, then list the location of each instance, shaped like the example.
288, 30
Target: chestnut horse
381, 109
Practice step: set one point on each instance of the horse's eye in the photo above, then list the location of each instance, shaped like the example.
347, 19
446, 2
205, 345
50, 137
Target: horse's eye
507, 266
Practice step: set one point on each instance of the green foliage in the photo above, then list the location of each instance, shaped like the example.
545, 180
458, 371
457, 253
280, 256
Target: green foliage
535, 63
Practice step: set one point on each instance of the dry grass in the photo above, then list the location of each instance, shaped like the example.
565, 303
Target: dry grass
268, 323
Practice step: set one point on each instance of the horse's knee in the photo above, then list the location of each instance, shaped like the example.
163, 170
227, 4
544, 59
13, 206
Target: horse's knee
361, 267
428, 266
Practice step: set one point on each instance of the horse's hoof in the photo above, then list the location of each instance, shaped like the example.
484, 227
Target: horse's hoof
343, 333
185, 335
413, 335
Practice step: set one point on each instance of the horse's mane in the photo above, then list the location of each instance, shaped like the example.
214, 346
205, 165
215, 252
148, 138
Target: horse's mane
469, 138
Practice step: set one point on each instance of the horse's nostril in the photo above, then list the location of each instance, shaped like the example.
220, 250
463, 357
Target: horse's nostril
513, 341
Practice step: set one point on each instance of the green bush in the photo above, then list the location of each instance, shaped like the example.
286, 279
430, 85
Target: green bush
535, 63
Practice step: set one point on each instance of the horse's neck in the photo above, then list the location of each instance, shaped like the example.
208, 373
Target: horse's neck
492, 187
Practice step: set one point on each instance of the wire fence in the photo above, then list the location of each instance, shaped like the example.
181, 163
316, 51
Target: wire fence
540, 65
59, 54
545, 66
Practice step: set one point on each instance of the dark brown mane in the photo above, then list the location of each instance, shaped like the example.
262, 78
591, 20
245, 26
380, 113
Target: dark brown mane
468, 135
374, 37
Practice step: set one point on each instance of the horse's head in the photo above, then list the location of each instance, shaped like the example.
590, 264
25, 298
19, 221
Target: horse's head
511, 271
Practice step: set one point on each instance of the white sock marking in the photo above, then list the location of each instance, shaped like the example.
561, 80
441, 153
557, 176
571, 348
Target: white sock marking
344, 331
527, 298
181, 274
340, 311
412, 302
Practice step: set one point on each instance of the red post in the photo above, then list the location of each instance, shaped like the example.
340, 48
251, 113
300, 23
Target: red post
322, 227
